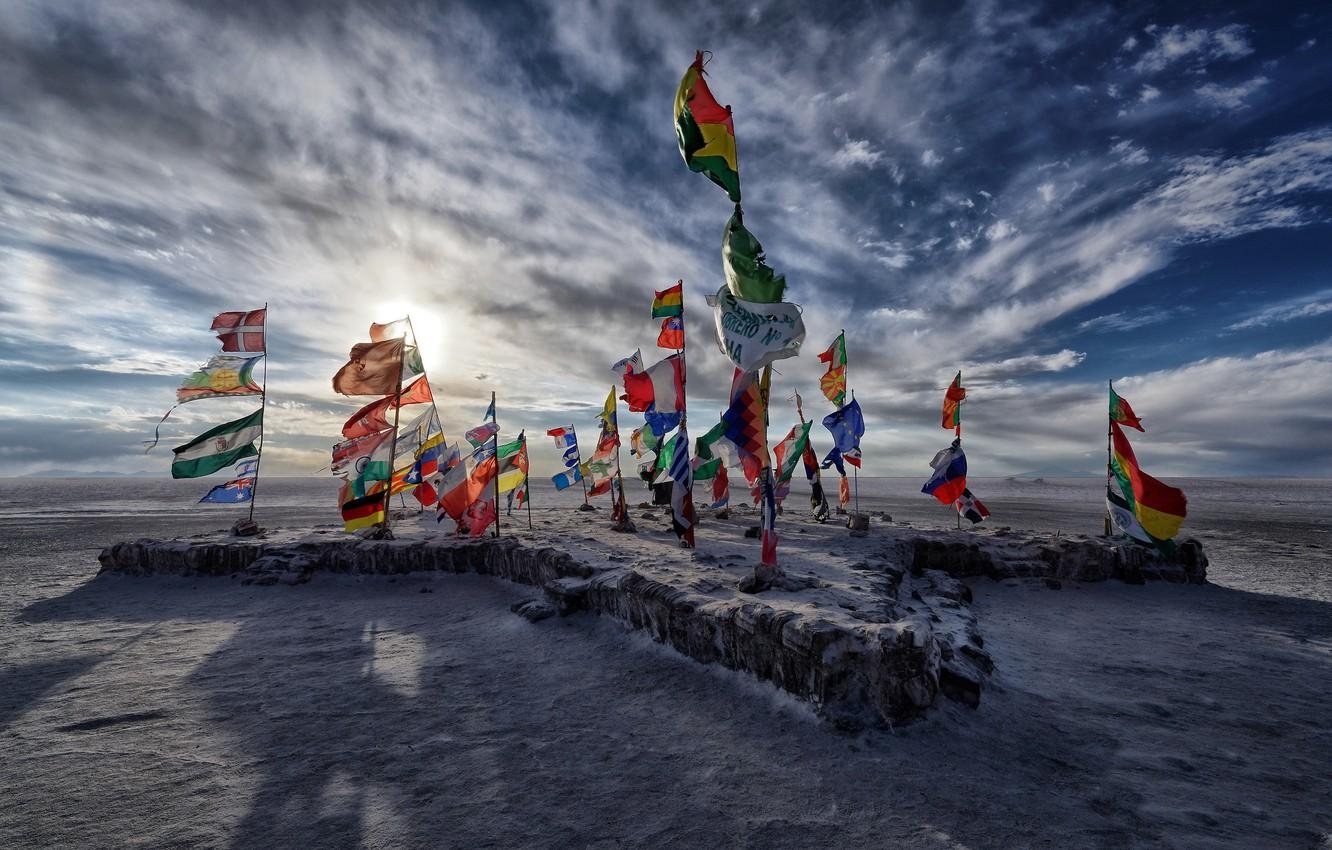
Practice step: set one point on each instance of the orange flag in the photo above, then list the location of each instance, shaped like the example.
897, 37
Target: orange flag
374, 369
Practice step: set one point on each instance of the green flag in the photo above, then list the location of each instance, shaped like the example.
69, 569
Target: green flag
748, 275
218, 448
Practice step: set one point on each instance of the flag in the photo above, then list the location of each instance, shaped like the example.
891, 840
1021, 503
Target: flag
748, 275
568, 478
413, 435
660, 423
1121, 513
490, 409
844, 491
970, 507
791, 450
248, 468
672, 333
363, 512
768, 520
411, 362
682, 492
396, 329
950, 474
241, 330
609, 421
220, 377
706, 470
1159, 508
705, 131
482, 433
565, 436
1119, 411
374, 368
628, 365
755, 334
847, 426
366, 458
744, 420
833, 382
952, 406
669, 302
466, 481
374, 416
517, 496
218, 448
721, 490
660, 385
231, 493
512, 469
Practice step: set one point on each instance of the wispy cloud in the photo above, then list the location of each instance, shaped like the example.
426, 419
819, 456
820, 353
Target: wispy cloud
1305, 307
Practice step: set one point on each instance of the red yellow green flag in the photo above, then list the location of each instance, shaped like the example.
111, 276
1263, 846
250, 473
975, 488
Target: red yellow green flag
705, 131
1159, 508
952, 406
1121, 412
668, 302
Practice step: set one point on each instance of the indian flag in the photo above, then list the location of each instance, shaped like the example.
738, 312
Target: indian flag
705, 131
218, 448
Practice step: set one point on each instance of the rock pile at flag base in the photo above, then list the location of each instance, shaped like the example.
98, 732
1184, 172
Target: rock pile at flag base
870, 630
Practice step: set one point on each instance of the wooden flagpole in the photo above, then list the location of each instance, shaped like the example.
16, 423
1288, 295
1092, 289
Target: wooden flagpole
425, 376
1109, 433
393, 450
263, 406
494, 417
578, 454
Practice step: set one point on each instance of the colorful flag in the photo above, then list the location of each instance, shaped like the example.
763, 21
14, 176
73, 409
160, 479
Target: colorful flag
231, 493
482, 433
219, 447
672, 333
490, 409
706, 470
833, 382
512, 464
466, 481
790, 451
609, 420
744, 420
365, 457
768, 519
847, 426
661, 423
683, 518
952, 406
661, 385
1159, 508
1119, 411
220, 377
970, 507
721, 490
628, 365
668, 302
412, 435
374, 368
705, 131
479, 515
374, 416
248, 468
363, 512
844, 491
950, 474
241, 330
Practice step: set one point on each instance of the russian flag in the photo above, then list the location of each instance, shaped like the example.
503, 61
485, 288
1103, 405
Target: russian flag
950, 475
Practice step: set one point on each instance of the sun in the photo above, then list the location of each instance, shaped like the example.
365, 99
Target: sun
429, 330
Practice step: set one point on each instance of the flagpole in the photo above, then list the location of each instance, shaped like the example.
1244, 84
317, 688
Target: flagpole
494, 417
393, 450
527, 485
684, 394
263, 407
578, 455
1108, 434
619, 472
425, 376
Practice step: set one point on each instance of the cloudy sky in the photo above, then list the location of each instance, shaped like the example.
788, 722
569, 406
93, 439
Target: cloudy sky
1043, 196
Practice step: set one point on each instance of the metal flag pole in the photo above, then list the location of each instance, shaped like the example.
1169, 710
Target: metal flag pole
494, 417
393, 450
263, 407
1109, 433
425, 377
527, 484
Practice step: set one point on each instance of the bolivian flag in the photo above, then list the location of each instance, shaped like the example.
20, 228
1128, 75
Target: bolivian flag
705, 131
668, 302
1159, 508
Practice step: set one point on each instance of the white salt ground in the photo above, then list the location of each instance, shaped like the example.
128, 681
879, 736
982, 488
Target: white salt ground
169, 712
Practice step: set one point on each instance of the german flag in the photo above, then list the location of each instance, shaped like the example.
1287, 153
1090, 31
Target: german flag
363, 512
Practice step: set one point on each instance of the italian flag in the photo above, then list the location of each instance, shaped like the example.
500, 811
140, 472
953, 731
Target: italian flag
218, 448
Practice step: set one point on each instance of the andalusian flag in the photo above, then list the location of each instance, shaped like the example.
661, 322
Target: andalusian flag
1121, 412
705, 131
668, 302
1159, 508
952, 406
833, 382
218, 448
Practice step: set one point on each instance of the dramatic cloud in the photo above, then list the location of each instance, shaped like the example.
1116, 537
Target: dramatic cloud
1026, 193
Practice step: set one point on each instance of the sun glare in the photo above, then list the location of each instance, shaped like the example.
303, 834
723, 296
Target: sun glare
429, 328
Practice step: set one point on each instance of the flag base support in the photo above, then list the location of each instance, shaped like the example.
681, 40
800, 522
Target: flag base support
245, 528
859, 524
585, 507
